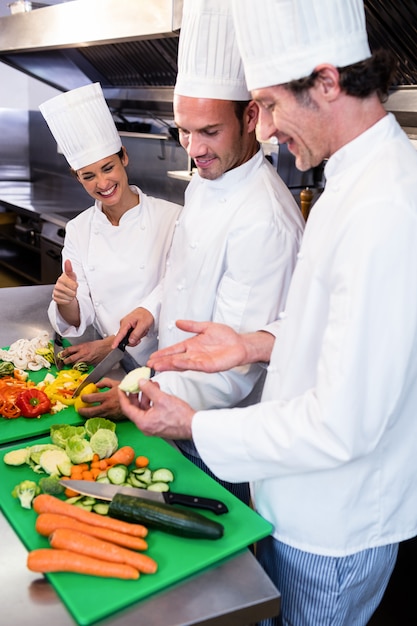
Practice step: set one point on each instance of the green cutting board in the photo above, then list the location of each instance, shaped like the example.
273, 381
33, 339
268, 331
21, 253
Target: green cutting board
12, 430
89, 598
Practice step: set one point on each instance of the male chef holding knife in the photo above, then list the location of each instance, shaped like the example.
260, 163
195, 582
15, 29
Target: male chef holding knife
237, 238
330, 449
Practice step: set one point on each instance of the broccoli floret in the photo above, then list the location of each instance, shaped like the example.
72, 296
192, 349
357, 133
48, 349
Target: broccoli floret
26, 492
51, 485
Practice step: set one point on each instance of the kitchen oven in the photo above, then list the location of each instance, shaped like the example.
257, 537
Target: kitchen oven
52, 236
20, 245
31, 246
51, 244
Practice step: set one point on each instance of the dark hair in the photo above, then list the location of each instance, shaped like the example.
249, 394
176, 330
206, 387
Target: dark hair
240, 108
376, 74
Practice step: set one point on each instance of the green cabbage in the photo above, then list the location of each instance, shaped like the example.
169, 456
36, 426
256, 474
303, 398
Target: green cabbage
60, 433
17, 457
79, 450
36, 451
93, 424
55, 462
104, 442
130, 383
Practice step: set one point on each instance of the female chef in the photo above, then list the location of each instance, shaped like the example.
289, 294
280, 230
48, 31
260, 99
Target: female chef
115, 251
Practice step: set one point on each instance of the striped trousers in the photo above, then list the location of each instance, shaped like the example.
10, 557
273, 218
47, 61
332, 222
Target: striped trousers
326, 591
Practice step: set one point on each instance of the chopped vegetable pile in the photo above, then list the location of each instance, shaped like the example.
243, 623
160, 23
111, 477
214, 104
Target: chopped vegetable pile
30, 354
20, 397
82, 538
88, 452
26, 355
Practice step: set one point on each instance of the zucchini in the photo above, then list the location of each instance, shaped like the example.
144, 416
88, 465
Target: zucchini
165, 517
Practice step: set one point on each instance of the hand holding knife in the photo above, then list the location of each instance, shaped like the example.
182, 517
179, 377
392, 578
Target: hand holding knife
58, 348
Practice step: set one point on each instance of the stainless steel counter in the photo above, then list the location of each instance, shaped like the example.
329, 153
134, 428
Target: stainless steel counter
236, 593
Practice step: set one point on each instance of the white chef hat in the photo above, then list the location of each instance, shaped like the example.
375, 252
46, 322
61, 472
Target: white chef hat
209, 63
284, 40
82, 125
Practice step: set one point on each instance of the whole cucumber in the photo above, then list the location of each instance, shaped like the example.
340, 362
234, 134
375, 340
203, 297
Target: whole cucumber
165, 517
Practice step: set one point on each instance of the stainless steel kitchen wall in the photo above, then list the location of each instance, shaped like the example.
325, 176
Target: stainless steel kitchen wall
14, 145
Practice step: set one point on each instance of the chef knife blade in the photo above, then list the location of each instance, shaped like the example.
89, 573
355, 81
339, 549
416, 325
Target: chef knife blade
105, 364
104, 491
58, 347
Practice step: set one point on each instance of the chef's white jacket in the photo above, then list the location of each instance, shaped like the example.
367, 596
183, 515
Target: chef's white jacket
116, 265
231, 261
332, 448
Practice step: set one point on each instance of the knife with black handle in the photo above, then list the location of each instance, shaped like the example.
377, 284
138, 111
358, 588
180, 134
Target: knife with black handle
103, 491
105, 365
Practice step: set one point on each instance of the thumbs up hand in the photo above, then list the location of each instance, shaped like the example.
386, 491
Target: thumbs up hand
65, 290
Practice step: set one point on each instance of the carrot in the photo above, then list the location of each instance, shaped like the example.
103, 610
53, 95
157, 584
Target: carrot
80, 467
95, 471
70, 493
95, 457
87, 475
66, 539
141, 461
124, 455
101, 465
46, 560
47, 523
76, 472
45, 503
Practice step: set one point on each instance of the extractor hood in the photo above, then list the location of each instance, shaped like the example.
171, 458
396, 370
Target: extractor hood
393, 25
129, 46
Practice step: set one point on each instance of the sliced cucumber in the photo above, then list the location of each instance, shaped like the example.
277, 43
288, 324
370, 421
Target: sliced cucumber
74, 499
158, 487
135, 482
84, 507
117, 474
88, 501
102, 508
104, 480
162, 475
143, 474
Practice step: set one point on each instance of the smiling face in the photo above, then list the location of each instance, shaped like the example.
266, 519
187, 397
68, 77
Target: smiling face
302, 125
106, 180
213, 136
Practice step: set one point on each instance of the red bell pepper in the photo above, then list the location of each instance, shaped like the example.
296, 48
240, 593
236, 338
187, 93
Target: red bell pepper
33, 402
